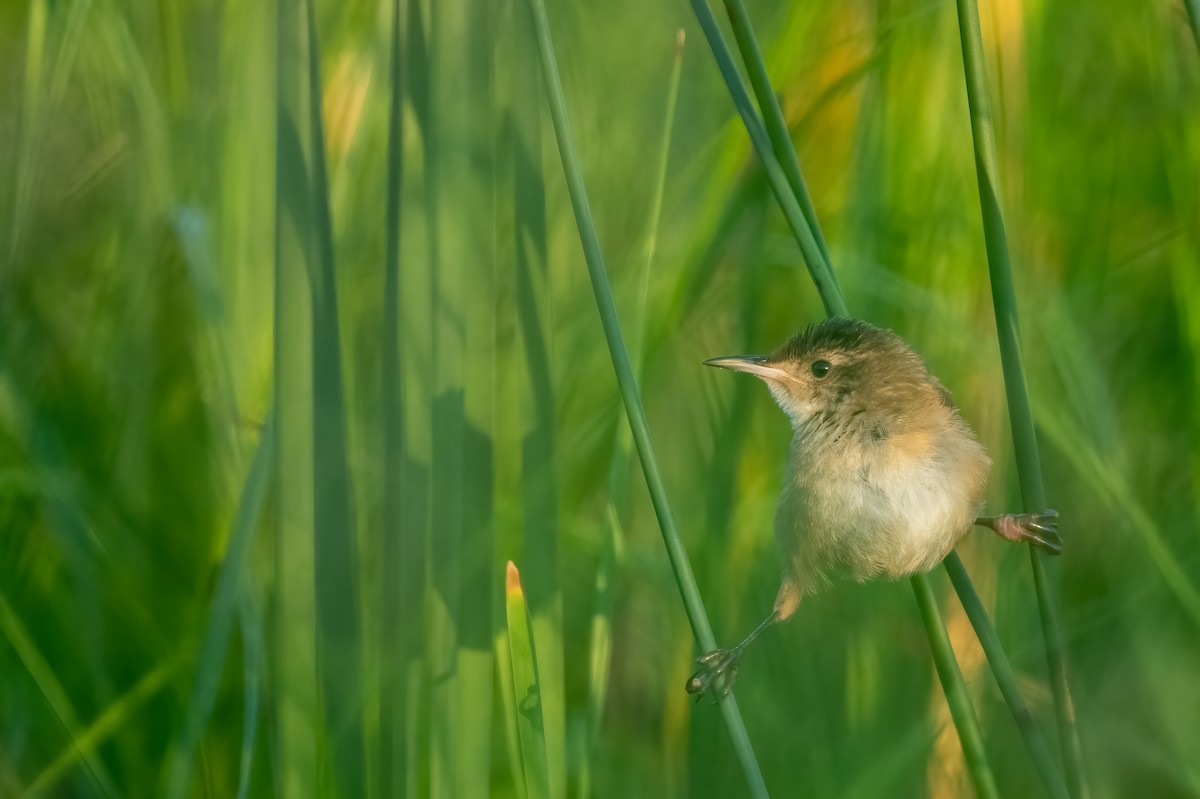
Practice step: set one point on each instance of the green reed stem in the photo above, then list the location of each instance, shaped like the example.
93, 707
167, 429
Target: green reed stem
1029, 468
768, 104
955, 689
627, 382
802, 227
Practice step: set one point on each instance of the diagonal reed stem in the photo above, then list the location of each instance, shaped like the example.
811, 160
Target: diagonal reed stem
768, 104
1029, 468
627, 382
803, 229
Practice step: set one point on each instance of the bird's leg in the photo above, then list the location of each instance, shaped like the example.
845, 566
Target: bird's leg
718, 668
1039, 529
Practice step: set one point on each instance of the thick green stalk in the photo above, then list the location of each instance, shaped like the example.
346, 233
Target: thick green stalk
818, 265
1029, 468
623, 367
955, 689
768, 104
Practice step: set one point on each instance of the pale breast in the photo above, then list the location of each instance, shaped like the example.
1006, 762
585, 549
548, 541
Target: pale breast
873, 508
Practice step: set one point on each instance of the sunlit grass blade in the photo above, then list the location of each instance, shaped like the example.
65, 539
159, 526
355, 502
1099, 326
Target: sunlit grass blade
526, 688
818, 267
628, 385
210, 662
1029, 467
1006, 678
768, 103
955, 689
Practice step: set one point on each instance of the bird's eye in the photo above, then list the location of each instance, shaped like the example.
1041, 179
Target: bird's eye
820, 368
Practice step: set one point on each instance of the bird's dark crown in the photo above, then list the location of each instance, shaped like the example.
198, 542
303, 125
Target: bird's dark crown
832, 335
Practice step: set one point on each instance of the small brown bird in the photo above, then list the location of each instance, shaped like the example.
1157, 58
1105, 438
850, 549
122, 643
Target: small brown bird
884, 476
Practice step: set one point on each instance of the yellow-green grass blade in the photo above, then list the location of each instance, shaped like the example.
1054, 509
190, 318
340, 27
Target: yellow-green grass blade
1029, 467
628, 385
526, 688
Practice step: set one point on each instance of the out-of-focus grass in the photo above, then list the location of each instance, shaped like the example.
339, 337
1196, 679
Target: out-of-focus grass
135, 376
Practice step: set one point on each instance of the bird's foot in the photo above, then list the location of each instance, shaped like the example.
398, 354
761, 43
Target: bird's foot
1039, 529
717, 672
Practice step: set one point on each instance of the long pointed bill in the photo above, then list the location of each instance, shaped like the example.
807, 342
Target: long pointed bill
752, 364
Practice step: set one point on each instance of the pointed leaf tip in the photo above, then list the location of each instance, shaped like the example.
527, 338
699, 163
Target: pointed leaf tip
512, 583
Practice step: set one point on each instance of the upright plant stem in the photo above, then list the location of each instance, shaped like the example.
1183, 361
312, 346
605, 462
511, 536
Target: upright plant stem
623, 367
1029, 468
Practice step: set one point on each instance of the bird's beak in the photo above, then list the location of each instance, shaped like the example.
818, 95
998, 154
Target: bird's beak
752, 364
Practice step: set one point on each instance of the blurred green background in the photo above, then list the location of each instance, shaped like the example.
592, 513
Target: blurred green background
257, 494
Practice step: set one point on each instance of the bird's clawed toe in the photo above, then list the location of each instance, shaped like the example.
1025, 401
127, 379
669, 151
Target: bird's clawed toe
717, 672
1039, 529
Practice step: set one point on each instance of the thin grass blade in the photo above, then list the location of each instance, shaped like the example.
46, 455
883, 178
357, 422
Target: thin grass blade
628, 384
527, 697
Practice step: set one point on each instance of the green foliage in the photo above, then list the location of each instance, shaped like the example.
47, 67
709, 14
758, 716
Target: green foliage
149, 331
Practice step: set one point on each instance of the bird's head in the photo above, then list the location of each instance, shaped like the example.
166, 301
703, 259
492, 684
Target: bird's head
841, 366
